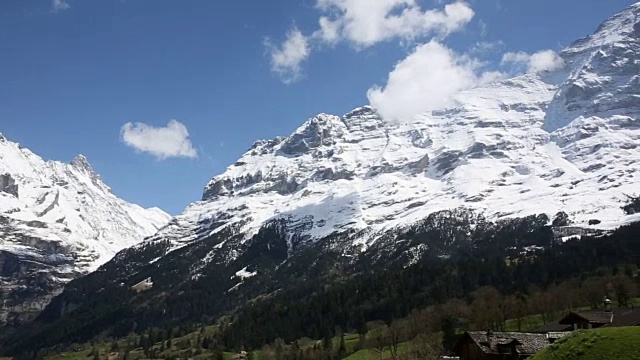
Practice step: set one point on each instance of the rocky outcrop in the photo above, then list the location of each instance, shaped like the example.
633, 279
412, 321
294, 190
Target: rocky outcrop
8, 185
323, 130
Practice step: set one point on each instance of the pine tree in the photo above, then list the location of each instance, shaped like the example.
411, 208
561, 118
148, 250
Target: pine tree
362, 341
218, 355
151, 337
206, 342
279, 346
327, 341
342, 350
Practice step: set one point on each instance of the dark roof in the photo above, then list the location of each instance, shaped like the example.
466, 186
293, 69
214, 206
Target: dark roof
594, 317
615, 318
626, 318
553, 327
525, 343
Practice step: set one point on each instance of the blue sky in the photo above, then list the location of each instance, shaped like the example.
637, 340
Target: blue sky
105, 78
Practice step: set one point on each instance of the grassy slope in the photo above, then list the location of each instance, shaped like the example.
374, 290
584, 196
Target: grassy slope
371, 354
598, 344
104, 348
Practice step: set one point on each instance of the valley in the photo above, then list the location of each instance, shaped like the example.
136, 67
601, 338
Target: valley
500, 224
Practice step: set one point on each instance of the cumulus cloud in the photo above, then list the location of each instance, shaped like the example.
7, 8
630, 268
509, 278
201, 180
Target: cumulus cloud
427, 80
161, 142
490, 76
362, 24
287, 58
365, 23
545, 60
58, 5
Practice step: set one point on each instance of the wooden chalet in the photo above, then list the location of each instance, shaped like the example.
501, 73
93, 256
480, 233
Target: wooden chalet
594, 320
482, 345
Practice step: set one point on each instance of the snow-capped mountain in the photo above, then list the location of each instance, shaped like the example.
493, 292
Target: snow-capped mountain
58, 221
356, 193
566, 140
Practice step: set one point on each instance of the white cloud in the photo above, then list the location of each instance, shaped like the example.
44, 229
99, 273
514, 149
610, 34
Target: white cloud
486, 47
364, 23
491, 76
287, 58
162, 142
58, 5
545, 60
483, 28
516, 58
426, 80
329, 30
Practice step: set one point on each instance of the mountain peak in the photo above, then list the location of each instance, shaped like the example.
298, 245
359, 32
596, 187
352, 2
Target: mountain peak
362, 118
81, 162
321, 130
624, 26
53, 226
361, 111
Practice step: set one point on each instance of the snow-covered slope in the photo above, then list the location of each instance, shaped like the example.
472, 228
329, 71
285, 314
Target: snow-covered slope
538, 143
352, 194
58, 221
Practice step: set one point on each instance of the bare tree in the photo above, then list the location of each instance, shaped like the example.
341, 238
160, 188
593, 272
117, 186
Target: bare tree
594, 290
457, 309
516, 307
416, 322
488, 308
624, 290
378, 342
425, 347
395, 335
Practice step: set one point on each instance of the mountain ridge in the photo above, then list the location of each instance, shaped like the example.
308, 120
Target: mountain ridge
59, 221
519, 164
545, 139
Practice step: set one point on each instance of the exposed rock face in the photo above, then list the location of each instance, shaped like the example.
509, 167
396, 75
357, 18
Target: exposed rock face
318, 132
8, 185
57, 222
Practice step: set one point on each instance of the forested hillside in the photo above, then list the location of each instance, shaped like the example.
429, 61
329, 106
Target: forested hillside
562, 275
